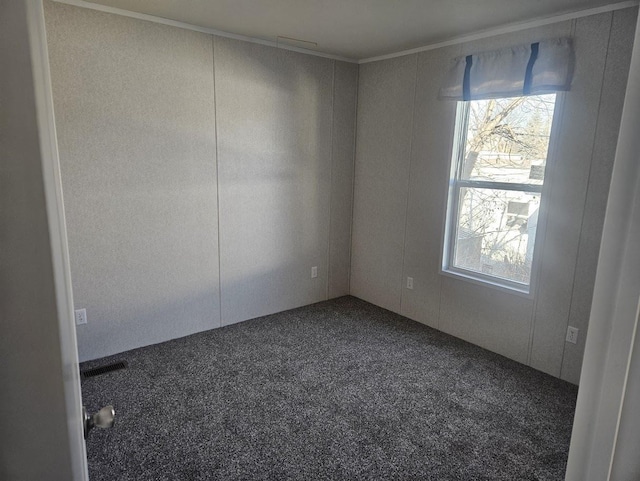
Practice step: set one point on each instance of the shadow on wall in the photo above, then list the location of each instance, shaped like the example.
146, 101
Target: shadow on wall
274, 113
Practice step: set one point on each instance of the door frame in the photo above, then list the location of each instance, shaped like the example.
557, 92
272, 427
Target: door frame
58, 236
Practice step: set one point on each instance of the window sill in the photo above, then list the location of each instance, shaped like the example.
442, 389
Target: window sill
492, 283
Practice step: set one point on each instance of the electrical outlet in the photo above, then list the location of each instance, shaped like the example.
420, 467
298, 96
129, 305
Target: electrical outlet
572, 335
409, 282
314, 272
81, 316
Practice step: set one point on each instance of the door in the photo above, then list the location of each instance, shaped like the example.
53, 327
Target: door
69, 381
58, 238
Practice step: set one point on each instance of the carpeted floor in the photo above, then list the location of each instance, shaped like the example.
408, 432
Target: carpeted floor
337, 390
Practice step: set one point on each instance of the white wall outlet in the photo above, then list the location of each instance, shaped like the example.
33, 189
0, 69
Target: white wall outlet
81, 316
409, 282
572, 334
314, 272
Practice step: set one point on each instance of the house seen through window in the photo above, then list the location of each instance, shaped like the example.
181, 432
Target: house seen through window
499, 164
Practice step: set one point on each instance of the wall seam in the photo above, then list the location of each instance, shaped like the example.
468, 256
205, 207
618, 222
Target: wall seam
406, 210
215, 119
353, 187
586, 193
532, 319
440, 287
353, 177
331, 190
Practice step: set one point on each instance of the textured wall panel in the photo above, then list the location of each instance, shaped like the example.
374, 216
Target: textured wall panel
274, 161
345, 91
429, 178
383, 145
613, 91
490, 318
135, 117
565, 193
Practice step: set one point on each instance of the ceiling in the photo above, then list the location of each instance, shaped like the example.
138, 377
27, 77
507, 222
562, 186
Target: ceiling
355, 29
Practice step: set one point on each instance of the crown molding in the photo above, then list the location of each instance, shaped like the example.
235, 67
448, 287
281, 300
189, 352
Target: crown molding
509, 28
210, 31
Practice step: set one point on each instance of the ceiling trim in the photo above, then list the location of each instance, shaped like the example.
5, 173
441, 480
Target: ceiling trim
210, 31
509, 28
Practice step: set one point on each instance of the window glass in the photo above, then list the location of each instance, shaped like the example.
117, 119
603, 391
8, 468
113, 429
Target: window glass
507, 139
500, 165
496, 230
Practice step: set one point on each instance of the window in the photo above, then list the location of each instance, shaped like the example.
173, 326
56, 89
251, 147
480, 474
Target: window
499, 163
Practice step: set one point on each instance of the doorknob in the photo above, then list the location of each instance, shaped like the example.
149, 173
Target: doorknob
102, 419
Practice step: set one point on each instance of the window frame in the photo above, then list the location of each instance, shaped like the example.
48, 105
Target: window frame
451, 207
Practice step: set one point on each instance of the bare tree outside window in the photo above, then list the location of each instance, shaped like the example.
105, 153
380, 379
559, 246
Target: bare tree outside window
499, 172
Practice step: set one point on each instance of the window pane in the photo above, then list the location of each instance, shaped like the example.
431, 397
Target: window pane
507, 139
495, 232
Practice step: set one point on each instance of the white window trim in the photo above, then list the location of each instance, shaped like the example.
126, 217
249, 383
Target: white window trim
478, 278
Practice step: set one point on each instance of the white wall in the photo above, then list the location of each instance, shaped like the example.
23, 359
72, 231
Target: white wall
275, 113
403, 153
134, 109
203, 177
34, 436
383, 148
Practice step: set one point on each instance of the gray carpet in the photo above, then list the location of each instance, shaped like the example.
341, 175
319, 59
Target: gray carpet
337, 390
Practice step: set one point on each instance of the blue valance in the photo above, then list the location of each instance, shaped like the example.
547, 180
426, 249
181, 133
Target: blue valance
539, 68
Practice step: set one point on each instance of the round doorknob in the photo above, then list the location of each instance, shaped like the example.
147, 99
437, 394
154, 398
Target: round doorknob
102, 419
105, 417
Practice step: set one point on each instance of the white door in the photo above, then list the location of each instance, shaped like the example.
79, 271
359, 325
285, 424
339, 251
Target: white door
58, 238
76, 421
